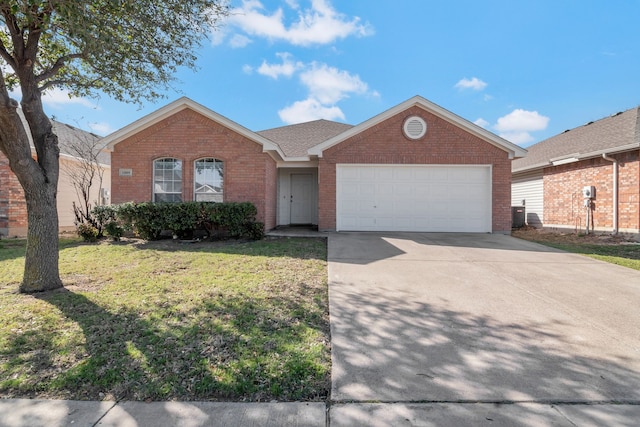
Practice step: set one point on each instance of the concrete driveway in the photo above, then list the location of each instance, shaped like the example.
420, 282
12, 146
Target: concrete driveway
464, 318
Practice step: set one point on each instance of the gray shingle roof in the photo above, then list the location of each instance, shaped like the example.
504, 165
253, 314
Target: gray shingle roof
70, 136
295, 140
618, 132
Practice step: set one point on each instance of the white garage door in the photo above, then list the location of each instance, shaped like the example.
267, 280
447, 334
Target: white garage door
431, 198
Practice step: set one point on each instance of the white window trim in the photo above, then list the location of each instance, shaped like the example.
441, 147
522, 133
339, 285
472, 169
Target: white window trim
153, 182
215, 160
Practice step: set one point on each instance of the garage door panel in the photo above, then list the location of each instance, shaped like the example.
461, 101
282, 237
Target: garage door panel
414, 198
404, 174
402, 190
384, 174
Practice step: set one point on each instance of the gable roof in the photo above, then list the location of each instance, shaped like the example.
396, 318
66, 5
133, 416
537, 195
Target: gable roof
616, 133
296, 140
182, 104
303, 141
514, 150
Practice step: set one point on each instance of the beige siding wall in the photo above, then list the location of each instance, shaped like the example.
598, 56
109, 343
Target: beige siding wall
528, 187
67, 194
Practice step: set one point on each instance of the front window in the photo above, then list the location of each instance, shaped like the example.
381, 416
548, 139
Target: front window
167, 180
209, 180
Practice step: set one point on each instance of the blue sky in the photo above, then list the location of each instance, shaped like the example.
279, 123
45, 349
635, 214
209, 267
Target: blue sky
525, 70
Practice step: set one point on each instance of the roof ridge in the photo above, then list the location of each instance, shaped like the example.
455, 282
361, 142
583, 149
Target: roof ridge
304, 123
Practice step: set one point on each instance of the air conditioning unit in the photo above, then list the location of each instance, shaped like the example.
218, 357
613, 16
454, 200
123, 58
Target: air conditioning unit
589, 192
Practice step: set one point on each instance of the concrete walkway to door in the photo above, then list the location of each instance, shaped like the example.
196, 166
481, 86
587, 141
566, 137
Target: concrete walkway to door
479, 329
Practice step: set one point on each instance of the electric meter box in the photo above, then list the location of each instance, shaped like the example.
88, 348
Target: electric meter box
589, 192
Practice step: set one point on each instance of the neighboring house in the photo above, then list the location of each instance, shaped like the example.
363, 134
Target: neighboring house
13, 208
603, 154
415, 167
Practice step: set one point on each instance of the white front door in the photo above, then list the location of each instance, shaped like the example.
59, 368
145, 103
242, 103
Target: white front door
302, 193
428, 198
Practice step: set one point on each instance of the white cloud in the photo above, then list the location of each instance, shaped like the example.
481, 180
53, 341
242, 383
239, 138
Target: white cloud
218, 35
481, 122
473, 83
247, 69
58, 98
308, 110
517, 125
519, 138
101, 128
519, 120
326, 86
287, 68
239, 40
319, 24
329, 85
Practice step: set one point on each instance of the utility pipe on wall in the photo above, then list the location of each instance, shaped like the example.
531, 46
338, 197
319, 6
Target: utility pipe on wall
615, 191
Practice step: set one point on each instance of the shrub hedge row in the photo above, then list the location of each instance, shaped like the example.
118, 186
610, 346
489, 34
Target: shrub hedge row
150, 220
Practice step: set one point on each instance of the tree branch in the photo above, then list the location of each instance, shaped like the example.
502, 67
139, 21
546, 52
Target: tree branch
14, 30
4, 53
60, 62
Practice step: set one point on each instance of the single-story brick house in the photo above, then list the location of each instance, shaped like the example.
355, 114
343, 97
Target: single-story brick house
13, 208
604, 154
414, 167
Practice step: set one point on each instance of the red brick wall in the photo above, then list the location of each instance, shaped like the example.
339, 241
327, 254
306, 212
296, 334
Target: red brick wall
249, 174
563, 201
13, 208
443, 144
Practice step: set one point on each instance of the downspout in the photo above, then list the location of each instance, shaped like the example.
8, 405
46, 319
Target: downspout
615, 191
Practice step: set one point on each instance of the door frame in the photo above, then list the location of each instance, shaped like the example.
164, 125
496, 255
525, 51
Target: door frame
284, 194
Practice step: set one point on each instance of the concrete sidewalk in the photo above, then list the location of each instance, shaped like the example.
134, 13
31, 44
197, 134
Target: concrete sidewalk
58, 413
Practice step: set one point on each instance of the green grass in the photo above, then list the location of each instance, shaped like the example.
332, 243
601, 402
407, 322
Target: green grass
161, 320
613, 249
624, 255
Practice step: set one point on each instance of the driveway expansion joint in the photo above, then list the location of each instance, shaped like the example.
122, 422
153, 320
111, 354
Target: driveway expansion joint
115, 403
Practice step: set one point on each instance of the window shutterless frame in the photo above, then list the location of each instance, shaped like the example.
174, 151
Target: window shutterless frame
208, 180
167, 180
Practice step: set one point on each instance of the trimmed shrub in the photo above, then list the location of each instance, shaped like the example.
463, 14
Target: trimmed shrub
88, 232
150, 220
107, 218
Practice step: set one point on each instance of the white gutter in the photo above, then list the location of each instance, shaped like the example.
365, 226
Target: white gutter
615, 191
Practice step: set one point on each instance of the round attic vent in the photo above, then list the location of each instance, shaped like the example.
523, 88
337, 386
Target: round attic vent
414, 127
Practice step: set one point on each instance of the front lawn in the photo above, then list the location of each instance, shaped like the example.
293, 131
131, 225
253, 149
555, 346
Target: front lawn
164, 320
614, 249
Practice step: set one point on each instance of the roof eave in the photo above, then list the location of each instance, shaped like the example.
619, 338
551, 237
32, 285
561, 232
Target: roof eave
177, 106
614, 150
575, 157
513, 150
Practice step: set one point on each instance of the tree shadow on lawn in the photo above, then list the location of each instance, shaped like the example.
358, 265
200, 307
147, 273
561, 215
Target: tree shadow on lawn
190, 355
293, 247
388, 347
16, 248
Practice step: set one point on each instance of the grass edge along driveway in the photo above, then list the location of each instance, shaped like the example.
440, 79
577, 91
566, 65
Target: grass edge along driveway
245, 321
615, 249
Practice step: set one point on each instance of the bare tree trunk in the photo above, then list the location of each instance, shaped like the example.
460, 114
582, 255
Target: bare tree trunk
41, 262
41, 271
39, 180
